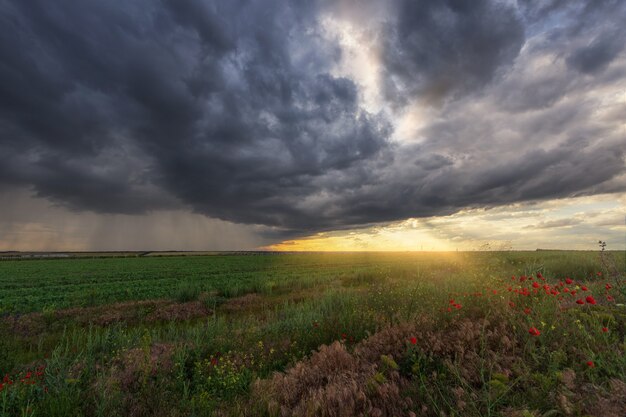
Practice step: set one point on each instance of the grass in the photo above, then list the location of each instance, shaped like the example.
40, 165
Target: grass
348, 334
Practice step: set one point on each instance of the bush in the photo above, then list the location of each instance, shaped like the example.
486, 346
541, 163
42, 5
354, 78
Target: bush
187, 291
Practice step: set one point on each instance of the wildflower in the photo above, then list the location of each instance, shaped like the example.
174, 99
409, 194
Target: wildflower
458, 306
535, 284
605, 329
590, 300
608, 286
527, 310
580, 301
599, 274
568, 280
591, 364
539, 276
413, 341
610, 298
582, 287
534, 331
511, 303
451, 301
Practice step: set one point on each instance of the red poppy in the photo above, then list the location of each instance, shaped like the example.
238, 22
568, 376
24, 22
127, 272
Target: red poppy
610, 298
451, 301
539, 275
591, 364
534, 331
599, 274
413, 341
458, 306
568, 280
580, 301
511, 303
535, 284
590, 300
605, 329
527, 310
582, 287
608, 286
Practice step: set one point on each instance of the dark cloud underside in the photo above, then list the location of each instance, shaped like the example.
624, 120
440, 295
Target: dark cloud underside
234, 109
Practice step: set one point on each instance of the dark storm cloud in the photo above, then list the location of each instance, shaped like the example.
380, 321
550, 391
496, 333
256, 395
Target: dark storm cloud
234, 108
438, 48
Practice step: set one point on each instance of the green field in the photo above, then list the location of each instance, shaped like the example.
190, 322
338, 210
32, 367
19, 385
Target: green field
315, 334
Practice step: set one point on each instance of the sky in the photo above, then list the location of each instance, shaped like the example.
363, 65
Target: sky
312, 125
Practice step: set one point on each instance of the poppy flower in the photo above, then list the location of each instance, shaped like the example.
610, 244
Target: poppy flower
527, 310
534, 331
582, 287
568, 280
451, 301
535, 284
413, 341
591, 364
608, 286
605, 329
580, 301
590, 300
610, 298
458, 306
511, 303
599, 274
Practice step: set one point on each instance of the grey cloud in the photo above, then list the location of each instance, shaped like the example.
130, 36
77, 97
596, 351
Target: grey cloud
440, 48
596, 56
237, 113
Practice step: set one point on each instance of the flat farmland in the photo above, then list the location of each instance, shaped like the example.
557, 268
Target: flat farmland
321, 334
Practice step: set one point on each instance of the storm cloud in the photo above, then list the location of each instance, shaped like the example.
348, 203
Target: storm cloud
236, 110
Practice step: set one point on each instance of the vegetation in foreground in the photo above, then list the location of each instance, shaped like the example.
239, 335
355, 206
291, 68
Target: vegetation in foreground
450, 334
